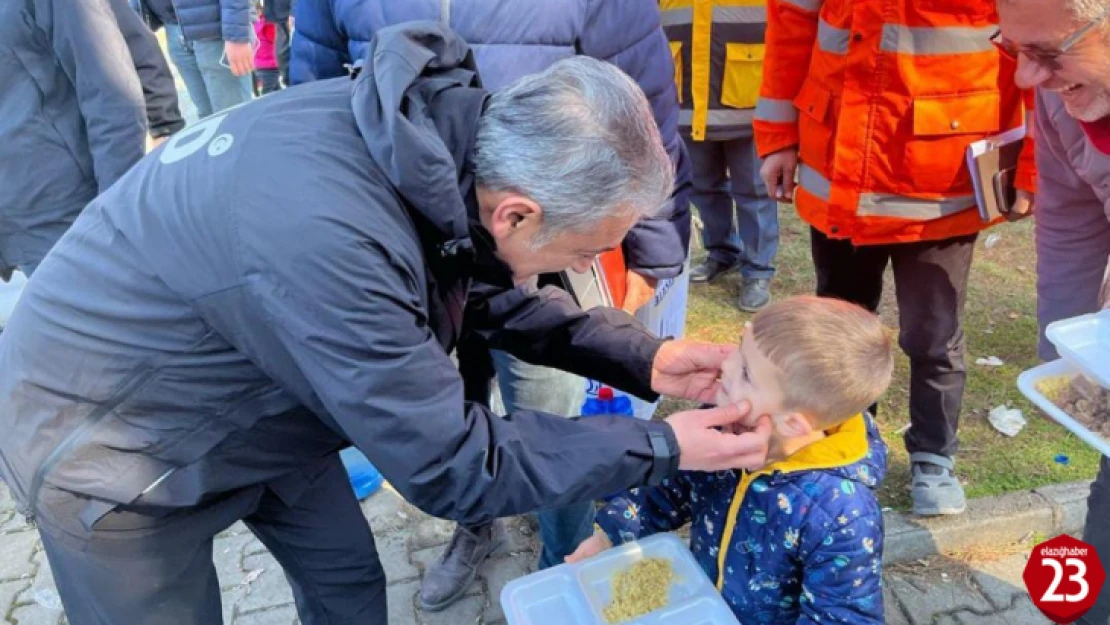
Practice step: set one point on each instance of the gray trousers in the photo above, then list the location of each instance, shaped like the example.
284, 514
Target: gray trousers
154, 566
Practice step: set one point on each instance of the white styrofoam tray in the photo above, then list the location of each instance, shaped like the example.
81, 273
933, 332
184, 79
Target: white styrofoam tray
1027, 382
1084, 341
576, 594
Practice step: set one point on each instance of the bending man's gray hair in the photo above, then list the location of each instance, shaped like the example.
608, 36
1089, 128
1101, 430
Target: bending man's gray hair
1088, 10
578, 139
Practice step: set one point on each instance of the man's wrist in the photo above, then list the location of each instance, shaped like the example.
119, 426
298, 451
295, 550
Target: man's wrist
665, 453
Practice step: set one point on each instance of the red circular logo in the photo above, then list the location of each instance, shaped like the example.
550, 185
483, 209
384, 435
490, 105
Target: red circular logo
1064, 577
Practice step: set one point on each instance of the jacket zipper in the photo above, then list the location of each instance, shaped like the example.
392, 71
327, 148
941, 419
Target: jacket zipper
138, 379
730, 522
77, 435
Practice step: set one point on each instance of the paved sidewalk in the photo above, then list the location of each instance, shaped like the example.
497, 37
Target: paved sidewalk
937, 591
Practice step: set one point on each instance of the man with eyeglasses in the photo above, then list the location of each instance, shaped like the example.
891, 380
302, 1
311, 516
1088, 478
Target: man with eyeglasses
1063, 49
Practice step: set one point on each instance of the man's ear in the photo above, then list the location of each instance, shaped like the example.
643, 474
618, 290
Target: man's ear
795, 425
515, 213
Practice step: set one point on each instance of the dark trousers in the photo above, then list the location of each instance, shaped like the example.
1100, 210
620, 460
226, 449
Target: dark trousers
267, 81
930, 282
155, 567
741, 221
282, 42
1097, 533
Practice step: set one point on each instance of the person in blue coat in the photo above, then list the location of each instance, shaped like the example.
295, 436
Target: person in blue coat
212, 44
288, 278
512, 38
800, 540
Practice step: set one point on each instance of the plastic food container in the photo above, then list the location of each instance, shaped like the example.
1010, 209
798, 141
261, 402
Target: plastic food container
576, 594
1084, 341
1027, 383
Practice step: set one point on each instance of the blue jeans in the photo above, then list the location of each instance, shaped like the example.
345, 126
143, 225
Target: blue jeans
529, 387
212, 87
741, 221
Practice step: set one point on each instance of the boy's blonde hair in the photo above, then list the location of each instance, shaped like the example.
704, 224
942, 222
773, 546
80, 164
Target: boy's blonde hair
833, 358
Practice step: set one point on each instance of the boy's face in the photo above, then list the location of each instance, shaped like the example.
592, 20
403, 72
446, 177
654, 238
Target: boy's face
748, 375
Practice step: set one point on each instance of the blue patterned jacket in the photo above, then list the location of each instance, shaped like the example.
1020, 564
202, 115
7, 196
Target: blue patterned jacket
799, 542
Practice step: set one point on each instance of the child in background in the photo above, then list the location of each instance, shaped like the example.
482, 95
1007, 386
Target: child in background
267, 78
800, 541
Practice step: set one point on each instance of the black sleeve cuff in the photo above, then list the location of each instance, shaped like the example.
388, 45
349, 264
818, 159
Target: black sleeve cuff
665, 453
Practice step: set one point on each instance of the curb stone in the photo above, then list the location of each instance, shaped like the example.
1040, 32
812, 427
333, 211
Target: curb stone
988, 521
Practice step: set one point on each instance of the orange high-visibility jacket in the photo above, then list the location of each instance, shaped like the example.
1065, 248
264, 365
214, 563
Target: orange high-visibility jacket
882, 98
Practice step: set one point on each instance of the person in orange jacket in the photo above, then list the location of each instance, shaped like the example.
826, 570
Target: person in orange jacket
872, 106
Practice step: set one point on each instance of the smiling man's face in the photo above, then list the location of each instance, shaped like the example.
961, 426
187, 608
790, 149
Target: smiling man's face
1081, 75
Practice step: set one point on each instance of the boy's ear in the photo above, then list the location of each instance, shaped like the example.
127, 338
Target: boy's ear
795, 425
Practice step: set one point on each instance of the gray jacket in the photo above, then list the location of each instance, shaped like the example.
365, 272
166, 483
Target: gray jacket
1073, 217
288, 277
72, 118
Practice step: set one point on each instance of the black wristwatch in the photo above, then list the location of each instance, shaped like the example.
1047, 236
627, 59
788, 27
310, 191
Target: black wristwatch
664, 457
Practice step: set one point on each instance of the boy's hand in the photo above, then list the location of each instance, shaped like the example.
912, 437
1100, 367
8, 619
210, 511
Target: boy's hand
689, 370
590, 547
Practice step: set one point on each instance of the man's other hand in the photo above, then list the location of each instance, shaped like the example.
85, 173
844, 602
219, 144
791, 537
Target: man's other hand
689, 370
708, 439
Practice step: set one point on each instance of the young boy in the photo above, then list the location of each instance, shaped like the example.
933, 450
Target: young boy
799, 541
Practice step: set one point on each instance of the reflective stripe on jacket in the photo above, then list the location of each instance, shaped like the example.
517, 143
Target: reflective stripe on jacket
718, 48
882, 100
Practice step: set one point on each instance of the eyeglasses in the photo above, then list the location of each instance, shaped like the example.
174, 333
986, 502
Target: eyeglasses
1042, 57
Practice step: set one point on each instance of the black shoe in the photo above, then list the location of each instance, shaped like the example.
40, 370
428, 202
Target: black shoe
754, 294
709, 271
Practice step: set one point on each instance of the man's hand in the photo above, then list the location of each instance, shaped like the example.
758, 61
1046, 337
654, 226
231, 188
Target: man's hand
155, 142
710, 439
1022, 208
589, 548
777, 173
689, 370
639, 291
240, 57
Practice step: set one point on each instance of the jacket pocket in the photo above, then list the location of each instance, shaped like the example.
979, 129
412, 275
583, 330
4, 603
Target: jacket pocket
813, 99
676, 55
816, 130
743, 74
963, 8
965, 113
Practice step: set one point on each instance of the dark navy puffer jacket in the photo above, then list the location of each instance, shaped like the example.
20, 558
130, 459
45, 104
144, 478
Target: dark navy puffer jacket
202, 20
512, 38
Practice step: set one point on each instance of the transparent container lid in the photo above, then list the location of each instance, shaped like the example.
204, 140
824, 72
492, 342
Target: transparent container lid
577, 594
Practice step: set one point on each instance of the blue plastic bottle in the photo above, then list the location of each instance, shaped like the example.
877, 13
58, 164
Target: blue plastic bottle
365, 479
607, 403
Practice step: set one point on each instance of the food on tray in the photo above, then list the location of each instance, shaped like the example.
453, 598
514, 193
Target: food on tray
1081, 398
639, 589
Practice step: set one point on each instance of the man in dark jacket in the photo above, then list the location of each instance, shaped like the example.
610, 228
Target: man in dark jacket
298, 289
512, 38
72, 115
210, 42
